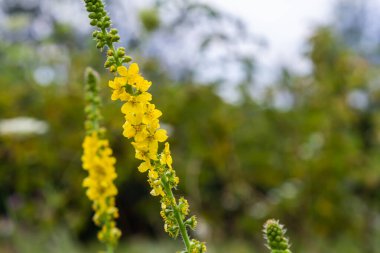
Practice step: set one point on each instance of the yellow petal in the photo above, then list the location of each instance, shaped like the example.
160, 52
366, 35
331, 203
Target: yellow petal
120, 81
160, 135
111, 84
133, 69
156, 113
129, 131
144, 167
144, 97
122, 71
115, 95
124, 96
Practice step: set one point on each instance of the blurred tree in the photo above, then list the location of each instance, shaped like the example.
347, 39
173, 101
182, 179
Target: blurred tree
311, 161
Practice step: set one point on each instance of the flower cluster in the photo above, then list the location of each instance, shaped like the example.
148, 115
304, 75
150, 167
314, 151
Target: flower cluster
98, 161
143, 125
274, 233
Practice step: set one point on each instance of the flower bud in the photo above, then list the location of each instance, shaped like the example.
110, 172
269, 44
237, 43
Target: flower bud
115, 38
95, 34
113, 69
113, 31
99, 45
127, 59
274, 233
106, 24
120, 52
191, 222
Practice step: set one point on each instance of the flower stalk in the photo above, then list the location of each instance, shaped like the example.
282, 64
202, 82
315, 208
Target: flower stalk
142, 125
98, 161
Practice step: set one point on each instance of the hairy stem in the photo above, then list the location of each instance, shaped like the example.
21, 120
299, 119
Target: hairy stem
177, 214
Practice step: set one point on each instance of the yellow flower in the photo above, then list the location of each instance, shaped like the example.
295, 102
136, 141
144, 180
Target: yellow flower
152, 174
150, 138
118, 89
141, 84
150, 114
166, 157
133, 129
144, 152
131, 74
135, 104
157, 188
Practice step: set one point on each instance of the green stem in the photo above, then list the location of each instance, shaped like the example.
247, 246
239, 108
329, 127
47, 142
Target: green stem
177, 214
109, 248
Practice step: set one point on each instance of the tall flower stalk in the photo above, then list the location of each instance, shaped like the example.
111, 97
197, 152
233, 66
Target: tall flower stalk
142, 125
98, 161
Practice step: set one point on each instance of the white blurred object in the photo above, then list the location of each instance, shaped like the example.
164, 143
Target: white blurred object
22, 126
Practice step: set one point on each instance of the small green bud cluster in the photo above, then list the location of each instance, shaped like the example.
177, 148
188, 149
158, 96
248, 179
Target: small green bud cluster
93, 102
169, 215
113, 58
97, 14
175, 214
274, 233
105, 35
196, 247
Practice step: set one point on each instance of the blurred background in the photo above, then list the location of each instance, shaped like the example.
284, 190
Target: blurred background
272, 109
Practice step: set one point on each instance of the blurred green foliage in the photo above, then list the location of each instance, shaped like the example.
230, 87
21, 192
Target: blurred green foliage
312, 162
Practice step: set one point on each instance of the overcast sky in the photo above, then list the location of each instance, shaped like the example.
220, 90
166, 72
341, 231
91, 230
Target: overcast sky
284, 24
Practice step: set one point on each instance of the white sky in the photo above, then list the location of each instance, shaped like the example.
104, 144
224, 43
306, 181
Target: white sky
284, 24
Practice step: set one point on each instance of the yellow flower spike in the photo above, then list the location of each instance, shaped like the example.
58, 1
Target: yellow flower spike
98, 161
147, 134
